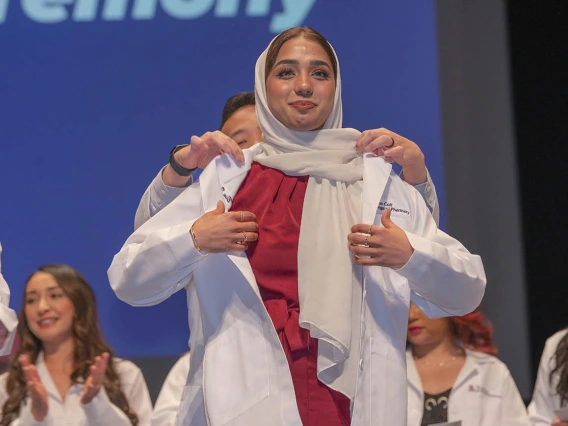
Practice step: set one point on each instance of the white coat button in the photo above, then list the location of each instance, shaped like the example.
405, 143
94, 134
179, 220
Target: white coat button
162, 191
361, 364
159, 200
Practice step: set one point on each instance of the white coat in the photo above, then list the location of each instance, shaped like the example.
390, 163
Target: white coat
238, 373
8, 318
484, 394
167, 405
99, 412
545, 400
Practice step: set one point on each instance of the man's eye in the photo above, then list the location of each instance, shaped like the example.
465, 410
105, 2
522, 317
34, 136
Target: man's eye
241, 142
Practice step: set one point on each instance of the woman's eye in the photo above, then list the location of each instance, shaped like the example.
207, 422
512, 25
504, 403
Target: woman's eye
285, 73
30, 301
321, 74
56, 295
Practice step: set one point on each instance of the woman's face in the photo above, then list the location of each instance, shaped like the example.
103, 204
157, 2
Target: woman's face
49, 312
423, 331
301, 86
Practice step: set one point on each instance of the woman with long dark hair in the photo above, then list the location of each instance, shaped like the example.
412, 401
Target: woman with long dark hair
551, 388
454, 375
64, 372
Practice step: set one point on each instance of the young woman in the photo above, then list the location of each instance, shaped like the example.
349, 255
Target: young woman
551, 388
63, 372
288, 327
453, 374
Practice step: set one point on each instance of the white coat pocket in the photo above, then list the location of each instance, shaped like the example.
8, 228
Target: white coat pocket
235, 369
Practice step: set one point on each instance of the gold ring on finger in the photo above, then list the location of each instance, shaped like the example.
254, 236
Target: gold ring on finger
367, 241
245, 237
242, 216
369, 231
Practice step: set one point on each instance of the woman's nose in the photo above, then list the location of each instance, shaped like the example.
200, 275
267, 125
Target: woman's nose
43, 305
304, 86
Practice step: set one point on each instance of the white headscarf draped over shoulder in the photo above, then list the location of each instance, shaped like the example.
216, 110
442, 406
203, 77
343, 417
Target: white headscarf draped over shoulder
329, 283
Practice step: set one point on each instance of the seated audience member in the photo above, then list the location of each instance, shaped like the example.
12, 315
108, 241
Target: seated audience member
453, 374
551, 388
63, 372
167, 404
8, 319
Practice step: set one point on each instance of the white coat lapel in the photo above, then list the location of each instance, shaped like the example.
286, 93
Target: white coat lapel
375, 177
46, 379
221, 181
222, 178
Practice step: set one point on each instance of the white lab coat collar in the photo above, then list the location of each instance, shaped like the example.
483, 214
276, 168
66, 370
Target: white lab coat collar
470, 369
46, 379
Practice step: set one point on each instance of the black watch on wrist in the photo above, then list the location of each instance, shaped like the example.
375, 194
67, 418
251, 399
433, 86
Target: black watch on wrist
178, 168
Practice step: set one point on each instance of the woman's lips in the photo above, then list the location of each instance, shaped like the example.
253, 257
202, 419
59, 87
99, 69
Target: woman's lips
46, 323
414, 330
303, 105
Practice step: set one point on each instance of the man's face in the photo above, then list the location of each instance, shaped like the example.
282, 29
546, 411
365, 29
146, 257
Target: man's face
243, 128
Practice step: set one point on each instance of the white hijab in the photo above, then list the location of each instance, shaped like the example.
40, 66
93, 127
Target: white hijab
329, 283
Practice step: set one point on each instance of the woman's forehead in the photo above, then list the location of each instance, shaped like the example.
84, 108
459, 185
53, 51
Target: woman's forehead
302, 48
41, 280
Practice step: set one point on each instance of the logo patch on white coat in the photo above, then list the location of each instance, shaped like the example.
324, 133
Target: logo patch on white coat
383, 205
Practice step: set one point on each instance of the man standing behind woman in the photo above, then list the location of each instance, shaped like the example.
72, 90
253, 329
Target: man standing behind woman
257, 358
239, 130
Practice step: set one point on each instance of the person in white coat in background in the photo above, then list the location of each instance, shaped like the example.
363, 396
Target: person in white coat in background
551, 389
63, 372
454, 375
8, 318
167, 405
257, 358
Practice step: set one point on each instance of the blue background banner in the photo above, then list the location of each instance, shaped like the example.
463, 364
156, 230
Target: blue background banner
94, 94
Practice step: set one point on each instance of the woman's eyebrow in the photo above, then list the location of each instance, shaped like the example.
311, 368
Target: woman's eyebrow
315, 62
287, 62
319, 63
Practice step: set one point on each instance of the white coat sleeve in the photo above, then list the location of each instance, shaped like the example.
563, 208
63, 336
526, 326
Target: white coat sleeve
157, 196
428, 192
513, 410
168, 402
159, 258
102, 412
545, 400
8, 318
445, 279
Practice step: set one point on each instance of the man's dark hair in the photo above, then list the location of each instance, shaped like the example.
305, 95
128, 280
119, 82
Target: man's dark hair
235, 103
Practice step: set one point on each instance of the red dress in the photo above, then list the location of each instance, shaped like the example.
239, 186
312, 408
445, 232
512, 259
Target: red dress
277, 200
